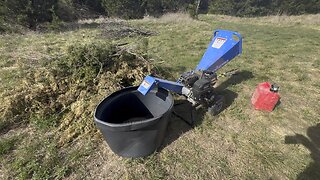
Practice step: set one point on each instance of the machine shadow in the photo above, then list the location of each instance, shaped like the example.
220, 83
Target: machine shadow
312, 143
235, 79
184, 114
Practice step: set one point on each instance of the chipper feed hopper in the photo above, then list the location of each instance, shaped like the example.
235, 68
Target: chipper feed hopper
134, 120
198, 85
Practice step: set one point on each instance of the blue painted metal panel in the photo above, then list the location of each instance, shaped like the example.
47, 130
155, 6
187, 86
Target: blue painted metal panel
146, 85
170, 85
221, 50
150, 82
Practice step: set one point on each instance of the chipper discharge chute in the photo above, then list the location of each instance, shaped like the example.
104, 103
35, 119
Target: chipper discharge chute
133, 120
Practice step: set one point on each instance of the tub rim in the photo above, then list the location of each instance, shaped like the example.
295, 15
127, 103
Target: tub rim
136, 124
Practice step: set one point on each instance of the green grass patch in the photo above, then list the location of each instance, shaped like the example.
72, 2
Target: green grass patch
7, 145
39, 160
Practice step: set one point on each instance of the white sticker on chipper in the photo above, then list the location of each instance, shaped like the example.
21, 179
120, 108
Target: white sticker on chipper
218, 42
145, 84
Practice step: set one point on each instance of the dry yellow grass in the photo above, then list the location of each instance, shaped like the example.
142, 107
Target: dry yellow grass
311, 19
171, 18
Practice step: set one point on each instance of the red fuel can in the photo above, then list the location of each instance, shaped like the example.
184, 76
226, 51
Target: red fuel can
265, 97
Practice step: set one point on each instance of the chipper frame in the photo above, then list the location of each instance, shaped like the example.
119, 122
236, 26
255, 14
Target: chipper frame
198, 85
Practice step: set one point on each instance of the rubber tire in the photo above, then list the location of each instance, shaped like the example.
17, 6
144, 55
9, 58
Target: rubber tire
218, 106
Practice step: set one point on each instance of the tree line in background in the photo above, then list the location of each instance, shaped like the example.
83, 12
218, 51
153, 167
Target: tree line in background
31, 13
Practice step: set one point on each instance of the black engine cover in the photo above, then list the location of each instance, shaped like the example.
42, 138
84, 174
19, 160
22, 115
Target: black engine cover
188, 79
201, 89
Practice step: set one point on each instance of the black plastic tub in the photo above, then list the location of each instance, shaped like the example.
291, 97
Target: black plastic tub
134, 125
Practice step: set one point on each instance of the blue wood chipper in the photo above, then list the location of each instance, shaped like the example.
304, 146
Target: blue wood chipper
198, 85
134, 120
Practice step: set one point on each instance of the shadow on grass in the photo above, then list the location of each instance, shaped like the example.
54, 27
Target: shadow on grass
185, 117
312, 143
235, 79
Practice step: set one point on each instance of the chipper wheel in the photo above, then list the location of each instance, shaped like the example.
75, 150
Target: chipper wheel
218, 106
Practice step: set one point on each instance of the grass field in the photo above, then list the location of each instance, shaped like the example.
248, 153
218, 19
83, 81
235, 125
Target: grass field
239, 143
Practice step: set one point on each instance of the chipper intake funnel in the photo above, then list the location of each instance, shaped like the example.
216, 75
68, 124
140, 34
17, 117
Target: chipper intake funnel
133, 124
224, 47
